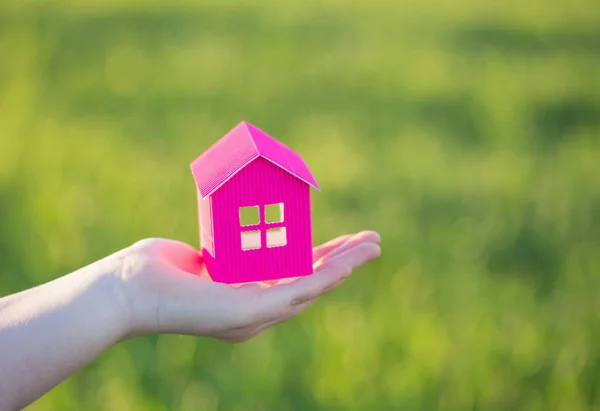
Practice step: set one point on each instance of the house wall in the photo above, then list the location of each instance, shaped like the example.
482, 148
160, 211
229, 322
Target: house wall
259, 183
206, 226
206, 232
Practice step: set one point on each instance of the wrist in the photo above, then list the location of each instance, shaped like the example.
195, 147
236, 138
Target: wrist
132, 293
114, 295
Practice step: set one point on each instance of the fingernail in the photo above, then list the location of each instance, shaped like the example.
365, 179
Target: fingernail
372, 233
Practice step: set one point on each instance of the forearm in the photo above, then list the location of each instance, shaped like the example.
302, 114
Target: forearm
49, 332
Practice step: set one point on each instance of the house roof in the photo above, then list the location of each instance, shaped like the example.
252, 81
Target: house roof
238, 148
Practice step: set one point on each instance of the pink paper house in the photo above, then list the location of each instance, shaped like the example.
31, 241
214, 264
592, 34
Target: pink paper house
254, 208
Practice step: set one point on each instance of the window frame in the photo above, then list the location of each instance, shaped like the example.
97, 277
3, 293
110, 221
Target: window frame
263, 226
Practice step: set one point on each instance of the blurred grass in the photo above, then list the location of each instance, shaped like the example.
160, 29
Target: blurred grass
466, 132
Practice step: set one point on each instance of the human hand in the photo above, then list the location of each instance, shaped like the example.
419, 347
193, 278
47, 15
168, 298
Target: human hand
154, 286
166, 289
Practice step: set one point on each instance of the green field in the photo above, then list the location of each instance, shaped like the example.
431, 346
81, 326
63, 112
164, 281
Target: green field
466, 132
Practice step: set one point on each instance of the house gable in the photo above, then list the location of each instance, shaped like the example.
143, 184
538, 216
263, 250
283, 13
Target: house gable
238, 148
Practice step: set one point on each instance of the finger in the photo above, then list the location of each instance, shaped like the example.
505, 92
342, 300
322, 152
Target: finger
293, 311
287, 280
350, 243
287, 314
259, 284
323, 249
278, 298
344, 242
276, 310
327, 252
335, 269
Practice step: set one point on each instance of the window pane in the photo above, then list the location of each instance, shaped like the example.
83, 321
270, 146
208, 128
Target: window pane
250, 240
276, 237
274, 213
249, 215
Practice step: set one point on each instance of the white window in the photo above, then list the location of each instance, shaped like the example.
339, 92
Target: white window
276, 237
251, 240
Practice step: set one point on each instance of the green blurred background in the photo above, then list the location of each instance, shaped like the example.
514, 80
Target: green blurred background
467, 132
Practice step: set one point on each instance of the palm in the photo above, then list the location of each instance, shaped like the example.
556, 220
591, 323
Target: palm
194, 304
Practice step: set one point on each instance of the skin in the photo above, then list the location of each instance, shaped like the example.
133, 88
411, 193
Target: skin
155, 286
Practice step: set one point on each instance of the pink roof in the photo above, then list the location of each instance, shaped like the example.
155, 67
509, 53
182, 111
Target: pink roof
238, 148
